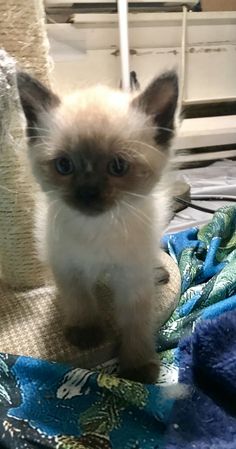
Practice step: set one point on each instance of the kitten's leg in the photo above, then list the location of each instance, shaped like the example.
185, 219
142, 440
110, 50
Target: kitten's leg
133, 301
79, 305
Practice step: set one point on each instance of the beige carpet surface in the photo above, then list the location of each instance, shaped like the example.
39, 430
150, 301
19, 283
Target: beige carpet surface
31, 322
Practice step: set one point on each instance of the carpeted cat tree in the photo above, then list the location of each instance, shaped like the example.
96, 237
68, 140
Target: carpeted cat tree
30, 318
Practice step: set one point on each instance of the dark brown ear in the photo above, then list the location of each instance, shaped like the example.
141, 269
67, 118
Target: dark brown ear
159, 100
36, 99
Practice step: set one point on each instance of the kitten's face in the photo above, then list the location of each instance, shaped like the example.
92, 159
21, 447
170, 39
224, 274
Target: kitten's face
93, 176
98, 147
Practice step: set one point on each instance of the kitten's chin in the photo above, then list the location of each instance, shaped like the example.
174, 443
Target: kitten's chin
91, 211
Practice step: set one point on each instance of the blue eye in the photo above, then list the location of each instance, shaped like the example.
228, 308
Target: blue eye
64, 166
118, 166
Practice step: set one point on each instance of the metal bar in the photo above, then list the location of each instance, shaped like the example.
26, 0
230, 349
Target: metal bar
183, 57
124, 43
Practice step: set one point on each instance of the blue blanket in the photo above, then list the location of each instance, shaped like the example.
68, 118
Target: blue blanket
207, 264
206, 418
45, 404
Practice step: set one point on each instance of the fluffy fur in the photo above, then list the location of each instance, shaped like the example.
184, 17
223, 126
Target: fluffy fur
97, 220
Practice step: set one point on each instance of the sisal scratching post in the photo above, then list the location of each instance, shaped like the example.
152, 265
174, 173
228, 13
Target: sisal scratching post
23, 35
20, 267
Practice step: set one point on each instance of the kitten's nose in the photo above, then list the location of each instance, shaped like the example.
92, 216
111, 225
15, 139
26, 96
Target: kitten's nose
89, 193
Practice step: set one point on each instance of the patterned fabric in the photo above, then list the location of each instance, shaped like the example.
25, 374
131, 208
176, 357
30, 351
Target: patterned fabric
207, 263
45, 404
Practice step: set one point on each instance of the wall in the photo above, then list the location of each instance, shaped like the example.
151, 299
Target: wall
87, 52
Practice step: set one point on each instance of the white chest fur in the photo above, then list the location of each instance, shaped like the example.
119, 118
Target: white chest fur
118, 237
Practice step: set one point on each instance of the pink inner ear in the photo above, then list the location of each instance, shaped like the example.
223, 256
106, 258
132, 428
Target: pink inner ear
159, 96
161, 100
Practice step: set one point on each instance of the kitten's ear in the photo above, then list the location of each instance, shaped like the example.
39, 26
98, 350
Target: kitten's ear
159, 100
36, 99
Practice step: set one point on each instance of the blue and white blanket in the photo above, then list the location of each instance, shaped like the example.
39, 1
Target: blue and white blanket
45, 404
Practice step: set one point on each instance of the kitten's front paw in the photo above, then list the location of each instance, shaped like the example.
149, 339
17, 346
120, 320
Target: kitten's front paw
161, 275
147, 373
85, 337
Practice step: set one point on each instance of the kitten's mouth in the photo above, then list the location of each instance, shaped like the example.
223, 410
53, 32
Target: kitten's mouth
90, 201
90, 208
92, 211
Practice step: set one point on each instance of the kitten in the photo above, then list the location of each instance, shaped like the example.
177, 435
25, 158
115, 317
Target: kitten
98, 154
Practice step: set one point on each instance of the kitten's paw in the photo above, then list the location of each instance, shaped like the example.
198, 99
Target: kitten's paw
161, 276
85, 337
147, 373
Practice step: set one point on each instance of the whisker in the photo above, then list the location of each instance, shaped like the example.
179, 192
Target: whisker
140, 212
138, 195
54, 222
50, 191
124, 224
43, 145
161, 128
151, 147
132, 211
112, 216
136, 212
37, 128
55, 217
34, 128
44, 139
54, 201
122, 220
139, 156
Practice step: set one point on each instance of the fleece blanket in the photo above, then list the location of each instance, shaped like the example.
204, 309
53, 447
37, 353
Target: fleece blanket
45, 404
205, 418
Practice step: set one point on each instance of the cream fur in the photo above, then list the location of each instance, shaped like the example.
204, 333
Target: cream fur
123, 241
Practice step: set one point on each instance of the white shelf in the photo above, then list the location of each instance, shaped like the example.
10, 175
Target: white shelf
155, 22
200, 101
70, 2
207, 131
164, 19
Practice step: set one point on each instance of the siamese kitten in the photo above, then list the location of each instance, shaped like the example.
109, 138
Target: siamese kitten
98, 154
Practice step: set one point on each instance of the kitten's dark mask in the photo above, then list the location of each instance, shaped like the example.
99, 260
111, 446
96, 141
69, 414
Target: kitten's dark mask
93, 180
90, 177
93, 173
